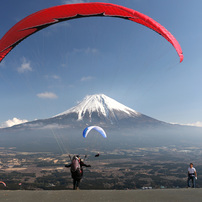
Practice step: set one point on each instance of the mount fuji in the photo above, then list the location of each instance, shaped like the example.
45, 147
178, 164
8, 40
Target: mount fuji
125, 128
97, 109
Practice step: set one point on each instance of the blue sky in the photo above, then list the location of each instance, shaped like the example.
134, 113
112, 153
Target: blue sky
52, 70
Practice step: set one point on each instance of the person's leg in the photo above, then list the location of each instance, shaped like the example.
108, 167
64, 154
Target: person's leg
188, 181
77, 184
74, 184
193, 182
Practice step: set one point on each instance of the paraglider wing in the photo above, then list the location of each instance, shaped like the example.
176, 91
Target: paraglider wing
97, 128
49, 16
1, 182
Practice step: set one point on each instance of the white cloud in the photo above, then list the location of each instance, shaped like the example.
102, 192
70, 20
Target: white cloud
47, 95
197, 124
56, 77
70, 86
25, 66
87, 78
12, 122
86, 50
91, 50
74, 1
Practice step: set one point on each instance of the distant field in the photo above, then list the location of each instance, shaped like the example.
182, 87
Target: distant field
120, 169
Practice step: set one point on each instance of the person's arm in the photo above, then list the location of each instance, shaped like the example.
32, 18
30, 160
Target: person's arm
68, 166
195, 174
83, 164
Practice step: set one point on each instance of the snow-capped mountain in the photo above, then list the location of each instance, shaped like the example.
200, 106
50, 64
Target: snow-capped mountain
124, 125
102, 106
97, 109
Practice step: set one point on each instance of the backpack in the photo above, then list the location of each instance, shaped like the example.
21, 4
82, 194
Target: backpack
75, 165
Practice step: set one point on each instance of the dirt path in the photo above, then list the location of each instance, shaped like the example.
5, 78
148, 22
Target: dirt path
157, 195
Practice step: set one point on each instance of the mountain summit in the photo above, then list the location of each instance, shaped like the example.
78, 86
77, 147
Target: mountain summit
102, 110
102, 106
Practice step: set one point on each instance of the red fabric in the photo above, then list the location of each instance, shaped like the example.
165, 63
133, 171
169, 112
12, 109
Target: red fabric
46, 17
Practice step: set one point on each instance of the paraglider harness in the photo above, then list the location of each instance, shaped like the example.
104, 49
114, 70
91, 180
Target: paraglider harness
76, 169
75, 165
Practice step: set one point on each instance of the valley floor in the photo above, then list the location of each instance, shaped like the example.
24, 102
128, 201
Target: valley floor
156, 195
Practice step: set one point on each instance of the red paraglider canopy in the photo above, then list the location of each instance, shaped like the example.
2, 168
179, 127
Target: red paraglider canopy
49, 16
1, 182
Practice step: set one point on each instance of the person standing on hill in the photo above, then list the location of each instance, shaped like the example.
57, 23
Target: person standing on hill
77, 170
192, 175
